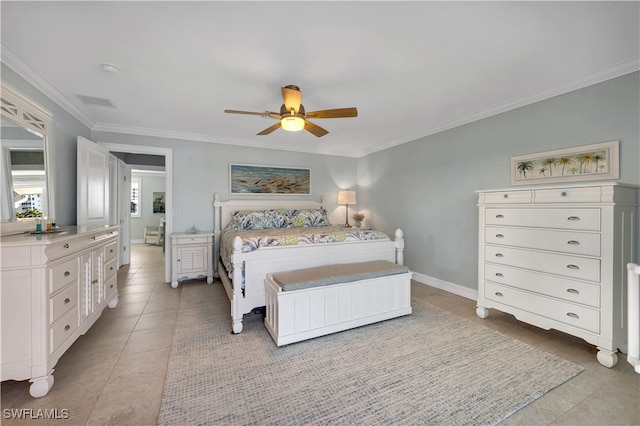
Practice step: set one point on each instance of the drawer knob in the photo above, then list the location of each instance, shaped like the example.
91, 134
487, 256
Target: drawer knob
66, 246
505, 196
573, 218
67, 273
572, 291
564, 194
67, 300
499, 236
111, 286
573, 242
498, 274
570, 266
501, 255
67, 327
499, 216
499, 294
111, 268
573, 315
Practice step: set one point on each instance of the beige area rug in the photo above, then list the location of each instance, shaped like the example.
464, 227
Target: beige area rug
430, 367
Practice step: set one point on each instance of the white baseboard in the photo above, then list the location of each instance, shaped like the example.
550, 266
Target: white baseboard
467, 292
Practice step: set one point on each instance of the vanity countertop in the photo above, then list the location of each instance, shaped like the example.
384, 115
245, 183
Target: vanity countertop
67, 233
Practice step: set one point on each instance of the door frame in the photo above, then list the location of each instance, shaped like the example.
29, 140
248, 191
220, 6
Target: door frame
168, 197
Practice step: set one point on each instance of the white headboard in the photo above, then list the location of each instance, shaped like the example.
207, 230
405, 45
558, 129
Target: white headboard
223, 210
223, 213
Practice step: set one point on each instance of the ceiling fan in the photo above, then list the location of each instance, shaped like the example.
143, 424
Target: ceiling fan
292, 116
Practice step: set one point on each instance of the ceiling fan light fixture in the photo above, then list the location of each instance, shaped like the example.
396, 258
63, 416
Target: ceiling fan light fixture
292, 123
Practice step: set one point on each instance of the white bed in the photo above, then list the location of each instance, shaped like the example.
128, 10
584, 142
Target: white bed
258, 263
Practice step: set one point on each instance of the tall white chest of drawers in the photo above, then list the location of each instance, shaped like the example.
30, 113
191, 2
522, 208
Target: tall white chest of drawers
556, 257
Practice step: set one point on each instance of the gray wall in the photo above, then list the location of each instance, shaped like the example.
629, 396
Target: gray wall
200, 169
428, 186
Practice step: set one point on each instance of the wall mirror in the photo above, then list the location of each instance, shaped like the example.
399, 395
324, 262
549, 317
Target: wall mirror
27, 180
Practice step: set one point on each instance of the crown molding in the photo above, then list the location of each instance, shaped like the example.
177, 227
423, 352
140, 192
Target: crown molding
197, 137
13, 61
604, 74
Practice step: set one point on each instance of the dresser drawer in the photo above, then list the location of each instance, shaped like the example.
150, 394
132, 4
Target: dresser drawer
62, 275
192, 239
508, 197
62, 302
62, 329
110, 251
110, 270
560, 218
557, 310
568, 195
550, 285
561, 241
58, 250
559, 264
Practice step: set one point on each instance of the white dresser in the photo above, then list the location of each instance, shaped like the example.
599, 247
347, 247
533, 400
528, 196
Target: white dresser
556, 257
53, 288
192, 256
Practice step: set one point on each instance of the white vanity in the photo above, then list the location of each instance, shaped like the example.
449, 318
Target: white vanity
53, 287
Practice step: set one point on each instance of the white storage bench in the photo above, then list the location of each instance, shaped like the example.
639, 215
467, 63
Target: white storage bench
313, 302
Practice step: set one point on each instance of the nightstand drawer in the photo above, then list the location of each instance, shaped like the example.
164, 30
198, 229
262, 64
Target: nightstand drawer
560, 218
562, 241
574, 315
568, 266
551, 285
193, 239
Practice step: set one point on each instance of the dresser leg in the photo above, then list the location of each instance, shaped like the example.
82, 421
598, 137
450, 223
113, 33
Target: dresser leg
607, 358
482, 312
40, 386
210, 279
113, 302
174, 283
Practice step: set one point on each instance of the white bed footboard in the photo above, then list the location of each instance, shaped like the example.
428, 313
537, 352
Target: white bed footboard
633, 283
258, 263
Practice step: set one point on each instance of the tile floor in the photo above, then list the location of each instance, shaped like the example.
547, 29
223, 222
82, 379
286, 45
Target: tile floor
115, 373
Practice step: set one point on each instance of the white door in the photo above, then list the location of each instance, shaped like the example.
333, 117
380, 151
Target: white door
124, 211
93, 185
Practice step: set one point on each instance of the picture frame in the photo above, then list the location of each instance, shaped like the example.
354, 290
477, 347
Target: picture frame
598, 161
268, 180
158, 202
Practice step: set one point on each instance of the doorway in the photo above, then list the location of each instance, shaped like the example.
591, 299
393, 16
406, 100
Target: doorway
167, 153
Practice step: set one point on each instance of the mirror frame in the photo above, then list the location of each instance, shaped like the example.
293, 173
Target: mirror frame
24, 112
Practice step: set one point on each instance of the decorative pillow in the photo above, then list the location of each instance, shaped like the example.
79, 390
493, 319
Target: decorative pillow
249, 219
309, 218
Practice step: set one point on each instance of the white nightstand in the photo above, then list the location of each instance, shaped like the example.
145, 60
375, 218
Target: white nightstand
192, 256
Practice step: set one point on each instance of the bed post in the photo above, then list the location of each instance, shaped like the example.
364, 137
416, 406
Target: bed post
236, 312
399, 246
216, 233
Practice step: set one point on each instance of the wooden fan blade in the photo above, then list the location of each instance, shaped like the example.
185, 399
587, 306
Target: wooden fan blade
315, 129
263, 114
233, 111
292, 97
334, 113
270, 129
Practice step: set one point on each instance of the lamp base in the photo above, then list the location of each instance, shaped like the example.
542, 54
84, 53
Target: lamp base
346, 225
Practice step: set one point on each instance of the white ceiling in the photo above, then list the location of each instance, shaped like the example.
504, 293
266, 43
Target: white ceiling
411, 68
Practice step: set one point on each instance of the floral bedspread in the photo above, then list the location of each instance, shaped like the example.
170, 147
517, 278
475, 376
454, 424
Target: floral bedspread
253, 239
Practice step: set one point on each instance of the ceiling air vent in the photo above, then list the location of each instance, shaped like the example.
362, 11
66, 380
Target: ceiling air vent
92, 100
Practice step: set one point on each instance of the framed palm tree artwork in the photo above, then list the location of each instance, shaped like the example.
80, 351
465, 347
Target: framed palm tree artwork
598, 161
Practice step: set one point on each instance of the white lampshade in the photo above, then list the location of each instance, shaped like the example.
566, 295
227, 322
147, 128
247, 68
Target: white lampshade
346, 197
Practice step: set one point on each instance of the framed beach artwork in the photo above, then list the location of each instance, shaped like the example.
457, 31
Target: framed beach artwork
254, 179
588, 162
